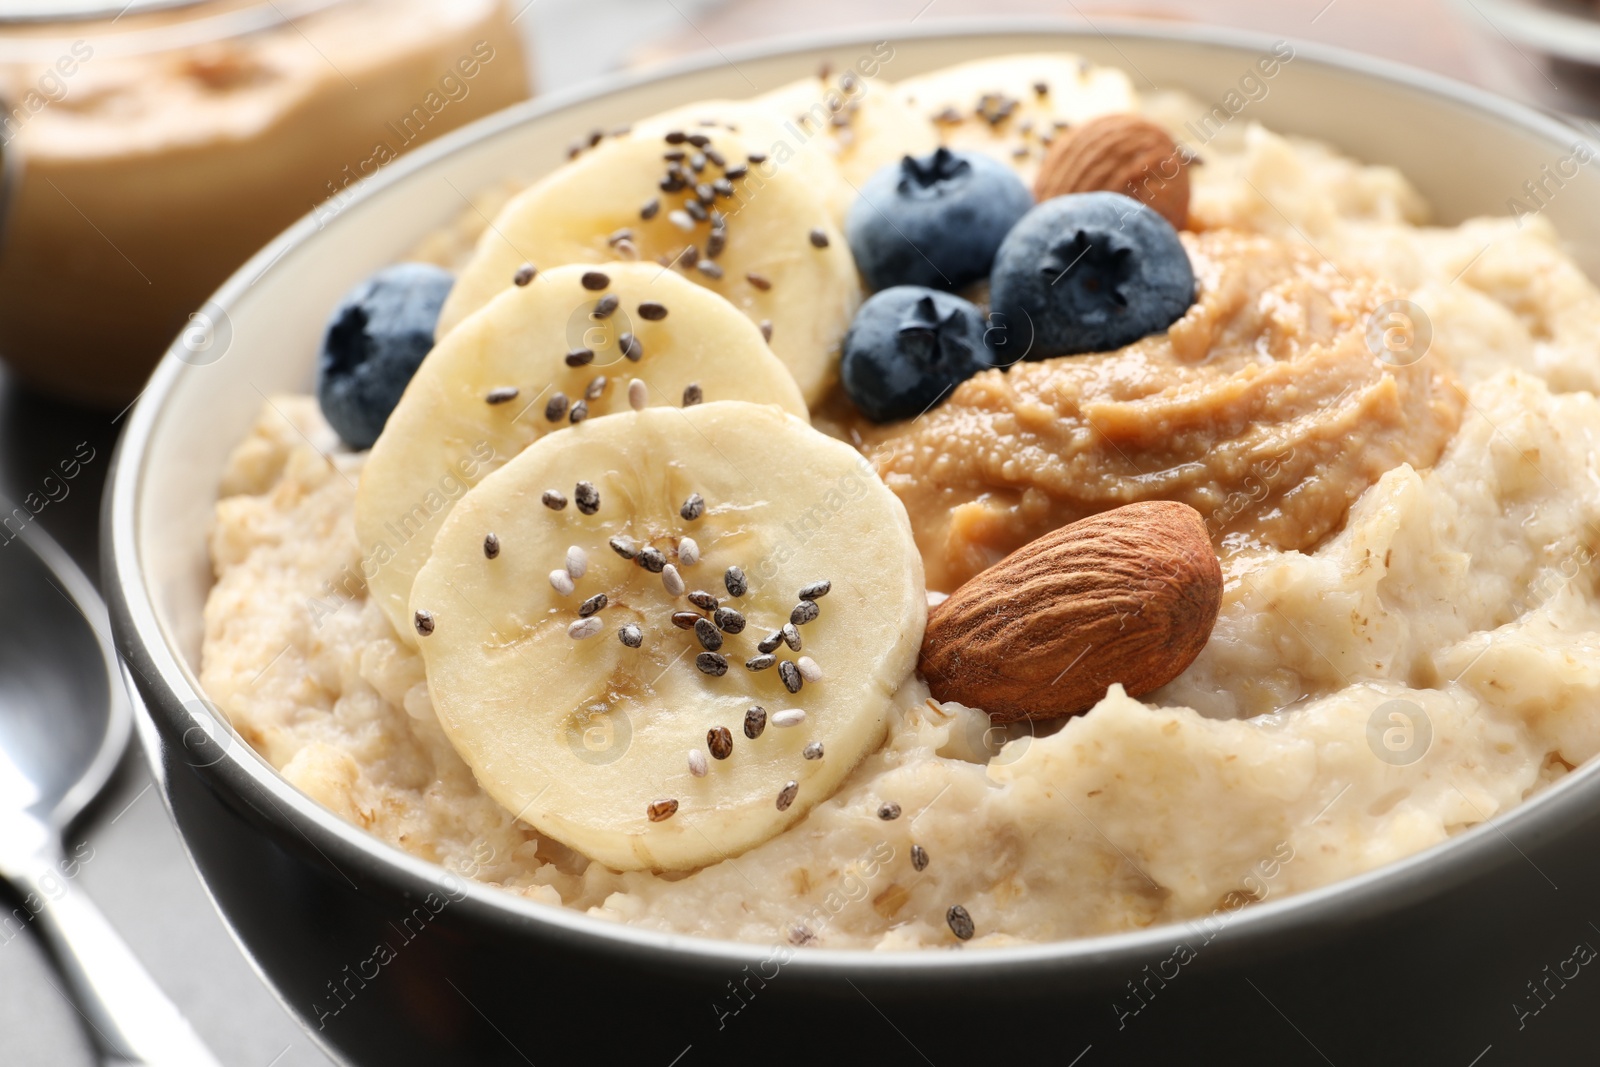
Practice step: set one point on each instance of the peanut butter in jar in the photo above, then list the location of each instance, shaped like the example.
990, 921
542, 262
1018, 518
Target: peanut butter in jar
148, 154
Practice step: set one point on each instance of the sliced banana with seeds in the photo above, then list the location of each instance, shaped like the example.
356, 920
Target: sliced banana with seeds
1012, 107
776, 255
586, 739
861, 126
517, 371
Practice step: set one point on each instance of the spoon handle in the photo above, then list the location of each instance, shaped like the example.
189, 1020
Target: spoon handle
131, 1022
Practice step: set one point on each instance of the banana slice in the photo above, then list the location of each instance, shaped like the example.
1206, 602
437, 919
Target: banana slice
486, 391
780, 259
759, 126
860, 126
1011, 107
620, 743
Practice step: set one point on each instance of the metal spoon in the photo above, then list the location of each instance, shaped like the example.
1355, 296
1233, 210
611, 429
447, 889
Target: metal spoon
64, 723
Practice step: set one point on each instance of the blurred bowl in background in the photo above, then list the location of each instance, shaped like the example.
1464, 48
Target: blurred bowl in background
1566, 30
151, 147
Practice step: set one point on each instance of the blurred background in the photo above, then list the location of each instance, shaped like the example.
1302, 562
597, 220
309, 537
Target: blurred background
147, 148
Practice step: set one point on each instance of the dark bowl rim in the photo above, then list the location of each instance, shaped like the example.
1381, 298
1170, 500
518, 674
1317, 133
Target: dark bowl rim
166, 683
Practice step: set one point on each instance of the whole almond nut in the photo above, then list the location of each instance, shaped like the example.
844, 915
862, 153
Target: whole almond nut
1129, 596
1119, 154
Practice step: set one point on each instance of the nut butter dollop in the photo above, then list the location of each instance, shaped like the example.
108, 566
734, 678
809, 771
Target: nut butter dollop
1263, 408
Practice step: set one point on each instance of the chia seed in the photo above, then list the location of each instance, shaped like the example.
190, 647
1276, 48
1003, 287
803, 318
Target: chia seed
770, 643
760, 663
804, 612
791, 636
688, 551
711, 663
491, 546
755, 721
651, 311
502, 395
554, 499
594, 280
631, 636
720, 741
697, 763
819, 239
651, 208
424, 622
587, 496
524, 275
787, 794
808, 669
788, 717
581, 357
710, 637
919, 858
703, 600
766, 329
684, 620
736, 582
630, 347
583, 628
692, 394
580, 411
662, 810
812, 750
596, 388
710, 269
577, 562
889, 812
671, 580
760, 281
638, 394
623, 546
592, 605
791, 676
960, 922
652, 560
556, 408
816, 590
609, 302
728, 620
561, 582
693, 508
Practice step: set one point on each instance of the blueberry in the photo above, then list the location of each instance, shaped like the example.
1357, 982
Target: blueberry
908, 347
934, 221
375, 341
1086, 272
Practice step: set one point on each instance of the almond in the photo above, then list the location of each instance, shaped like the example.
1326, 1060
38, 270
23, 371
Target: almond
1119, 154
1128, 596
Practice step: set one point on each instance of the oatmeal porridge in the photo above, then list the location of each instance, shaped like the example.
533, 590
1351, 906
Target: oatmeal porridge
477, 650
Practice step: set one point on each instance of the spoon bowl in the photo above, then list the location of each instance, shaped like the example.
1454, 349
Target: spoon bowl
64, 714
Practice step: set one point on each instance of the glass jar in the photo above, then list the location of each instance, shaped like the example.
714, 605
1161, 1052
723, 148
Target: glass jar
151, 147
